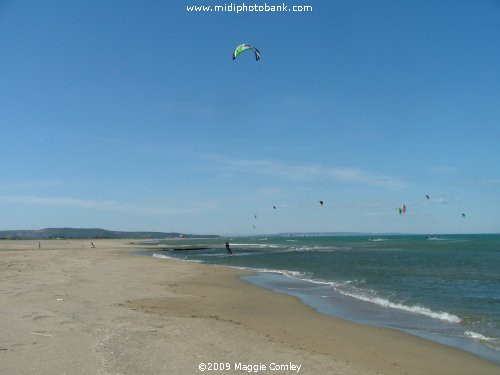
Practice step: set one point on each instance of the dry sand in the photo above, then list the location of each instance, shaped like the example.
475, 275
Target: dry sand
69, 309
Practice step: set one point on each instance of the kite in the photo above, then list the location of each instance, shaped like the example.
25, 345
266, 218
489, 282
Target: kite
274, 207
244, 47
321, 203
427, 196
463, 216
402, 209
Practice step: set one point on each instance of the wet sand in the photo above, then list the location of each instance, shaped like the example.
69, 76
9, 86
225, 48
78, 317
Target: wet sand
70, 309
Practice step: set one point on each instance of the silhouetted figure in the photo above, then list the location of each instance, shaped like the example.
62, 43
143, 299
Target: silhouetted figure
227, 248
92, 246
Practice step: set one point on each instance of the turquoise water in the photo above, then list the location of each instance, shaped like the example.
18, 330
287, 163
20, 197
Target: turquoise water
443, 287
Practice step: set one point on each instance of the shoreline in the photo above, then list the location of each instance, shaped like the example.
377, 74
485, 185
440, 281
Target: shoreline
416, 319
113, 311
359, 312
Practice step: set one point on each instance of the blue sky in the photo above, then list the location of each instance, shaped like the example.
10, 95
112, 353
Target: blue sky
132, 115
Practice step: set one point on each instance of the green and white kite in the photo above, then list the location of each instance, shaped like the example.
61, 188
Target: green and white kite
244, 47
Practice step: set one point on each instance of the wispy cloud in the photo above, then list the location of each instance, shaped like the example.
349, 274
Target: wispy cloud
269, 192
442, 200
443, 169
191, 108
30, 185
491, 182
310, 172
378, 214
107, 205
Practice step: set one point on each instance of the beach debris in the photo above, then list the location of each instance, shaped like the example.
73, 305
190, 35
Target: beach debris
245, 47
40, 333
427, 196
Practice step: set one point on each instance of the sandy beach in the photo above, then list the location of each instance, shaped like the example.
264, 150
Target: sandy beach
70, 309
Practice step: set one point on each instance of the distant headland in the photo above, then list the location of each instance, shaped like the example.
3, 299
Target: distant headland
89, 233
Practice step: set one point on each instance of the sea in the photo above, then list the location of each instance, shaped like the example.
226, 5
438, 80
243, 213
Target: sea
444, 288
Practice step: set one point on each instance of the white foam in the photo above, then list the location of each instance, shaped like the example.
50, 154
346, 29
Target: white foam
224, 255
259, 245
287, 273
319, 248
162, 256
479, 337
436, 239
416, 309
362, 296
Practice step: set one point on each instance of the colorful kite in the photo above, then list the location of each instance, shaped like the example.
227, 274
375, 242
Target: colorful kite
244, 47
402, 209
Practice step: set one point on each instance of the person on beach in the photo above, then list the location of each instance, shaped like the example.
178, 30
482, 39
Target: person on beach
227, 248
39, 245
92, 246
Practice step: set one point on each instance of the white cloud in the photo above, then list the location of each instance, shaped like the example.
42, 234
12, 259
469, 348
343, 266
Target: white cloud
375, 214
491, 182
310, 172
108, 205
269, 192
29, 185
443, 169
190, 107
441, 200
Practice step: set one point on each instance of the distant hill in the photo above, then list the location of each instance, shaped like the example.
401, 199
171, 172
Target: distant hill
89, 233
